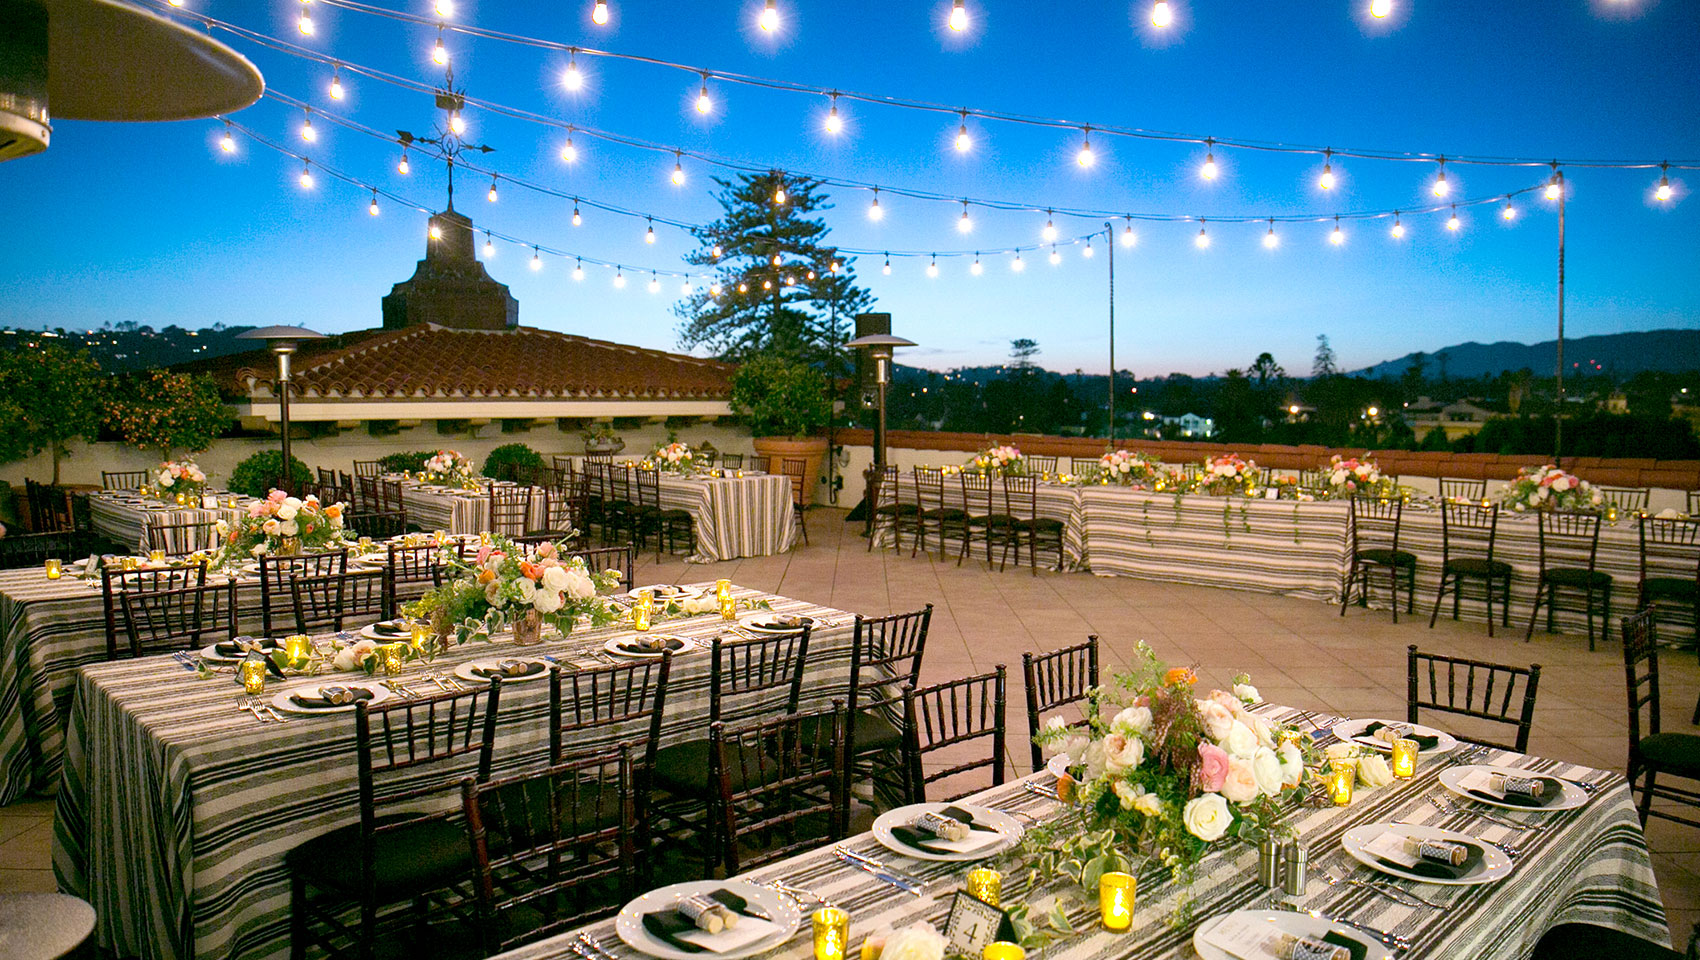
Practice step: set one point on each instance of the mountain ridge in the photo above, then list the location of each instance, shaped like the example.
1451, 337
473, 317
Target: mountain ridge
1624, 354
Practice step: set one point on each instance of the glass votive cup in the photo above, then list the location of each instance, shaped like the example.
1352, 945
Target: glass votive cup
298, 649
832, 933
1342, 776
722, 590
54, 568
127, 563
1002, 950
984, 885
1116, 892
182, 499
643, 604
156, 555
390, 654
484, 538
1404, 759
417, 635
234, 501
253, 673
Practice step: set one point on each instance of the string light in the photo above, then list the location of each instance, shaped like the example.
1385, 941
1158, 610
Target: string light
933, 266
1208, 171
714, 289
1056, 257
599, 13
743, 288
445, 8
578, 269
1555, 186
705, 104
1161, 14
1338, 236
654, 282
305, 22
1398, 230
227, 143
1202, 240
965, 223
1663, 192
578, 221
492, 194
767, 284
1270, 240
307, 132
373, 209
649, 235
875, 211
336, 84
678, 170
1326, 181
306, 174
569, 153
1128, 236
1453, 224
573, 79
403, 167
1509, 213
833, 123
440, 53
716, 251
769, 17
1050, 231
976, 268
489, 246
1441, 187
457, 123
1088, 252
887, 268
1017, 264
777, 260
536, 259
963, 142
685, 287
832, 267
779, 195
1086, 157
958, 16
1379, 9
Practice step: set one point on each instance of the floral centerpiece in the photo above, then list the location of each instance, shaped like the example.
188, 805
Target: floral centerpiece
1128, 468
175, 478
1163, 774
675, 457
1000, 459
282, 525
505, 586
1347, 477
1549, 488
450, 469
1227, 475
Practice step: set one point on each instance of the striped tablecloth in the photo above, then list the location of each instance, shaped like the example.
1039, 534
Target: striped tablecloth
1592, 867
1055, 502
461, 511
175, 809
114, 514
748, 516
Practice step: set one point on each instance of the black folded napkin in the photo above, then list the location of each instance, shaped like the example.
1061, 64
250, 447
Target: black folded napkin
532, 669
631, 646
957, 813
737, 905
666, 925
1441, 871
921, 841
1423, 743
392, 628
233, 648
304, 700
1554, 793
784, 622
1354, 947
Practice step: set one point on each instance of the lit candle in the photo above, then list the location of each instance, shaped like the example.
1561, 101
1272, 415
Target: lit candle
254, 676
1404, 759
1115, 900
182, 499
642, 603
392, 659
54, 568
418, 635
728, 605
156, 555
128, 563
832, 933
235, 501
985, 885
1002, 950
1342, 775
298, 649
484, 538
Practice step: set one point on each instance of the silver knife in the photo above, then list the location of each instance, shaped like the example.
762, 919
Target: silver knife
1398, 943
885, 875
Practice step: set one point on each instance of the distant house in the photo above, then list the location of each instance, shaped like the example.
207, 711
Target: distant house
1458, 418
1190, 425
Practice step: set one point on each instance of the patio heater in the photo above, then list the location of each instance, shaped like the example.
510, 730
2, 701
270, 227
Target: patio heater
880, 347
283, 342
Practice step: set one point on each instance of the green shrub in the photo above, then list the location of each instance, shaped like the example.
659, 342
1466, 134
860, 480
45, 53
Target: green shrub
781, 398
257, 475
404, 462
500, 463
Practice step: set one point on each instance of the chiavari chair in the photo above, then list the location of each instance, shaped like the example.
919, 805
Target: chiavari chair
1472, 688
945, 716
1061, 678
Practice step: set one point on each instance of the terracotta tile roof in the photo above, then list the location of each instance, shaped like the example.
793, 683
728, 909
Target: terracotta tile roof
434, 361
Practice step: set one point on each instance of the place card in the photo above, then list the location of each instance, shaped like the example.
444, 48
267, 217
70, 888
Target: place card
972, 924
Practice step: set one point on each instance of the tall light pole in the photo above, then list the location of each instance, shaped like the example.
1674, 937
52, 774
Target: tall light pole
1558, 417
1110, 247
283, 342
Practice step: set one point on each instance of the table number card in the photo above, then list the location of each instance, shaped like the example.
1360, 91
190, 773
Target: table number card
974, 923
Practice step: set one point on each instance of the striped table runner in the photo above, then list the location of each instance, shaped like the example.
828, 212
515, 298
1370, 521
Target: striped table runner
125, 522
734, 516
175, 809
1592, 867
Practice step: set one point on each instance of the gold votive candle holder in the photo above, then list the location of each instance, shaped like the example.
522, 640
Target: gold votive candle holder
1404, 759
985, 885
484, 538
298, 649
1342, 776
54, 567
723, 596
128, 563
182, 499
643, 604
234, 501
417, 636
156, 555
832, 933
1116, 893
1002, 950
253, 673
390, 655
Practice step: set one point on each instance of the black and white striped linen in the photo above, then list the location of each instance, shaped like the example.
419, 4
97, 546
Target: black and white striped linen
121, 520
748, 516
1056, 501
462, 511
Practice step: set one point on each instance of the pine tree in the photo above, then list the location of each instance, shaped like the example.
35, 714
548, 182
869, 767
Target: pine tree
778, 286
1324, 364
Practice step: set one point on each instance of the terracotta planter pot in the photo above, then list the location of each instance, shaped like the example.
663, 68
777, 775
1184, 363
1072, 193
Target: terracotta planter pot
811, 450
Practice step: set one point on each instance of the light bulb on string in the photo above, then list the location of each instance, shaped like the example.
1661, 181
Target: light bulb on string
1056, 257
403, 167
619, 278
1338, 236
1398, 230
457, 123
964, 142
1555, 186
1508, 212
685, 287
1441, 188
933, 266
578, 269
1453, 223
705, 103
1662, 192
569, 153
779, 196
1088, 252
678, 170
649, 235
440, 53
573, 78
965, 223
833, 267
1086, 157
886, 269
304, 23
790, 281
834, 123
875, 211
716, 250
810, 276
1380, 9
1129, 238
536, 259
444, 8
1209, 171
1162, 14
227, 143
336, 84
767, 284
306, 179
1050, 231
1326, 181
958, 16
373, 208
578, 220
599, 13
975, 267
714, 289
489, 246
176, 3
654, 282
769, 17
1018, 264
1203, 239
777, 260
492, 194
1270, 240
307, 132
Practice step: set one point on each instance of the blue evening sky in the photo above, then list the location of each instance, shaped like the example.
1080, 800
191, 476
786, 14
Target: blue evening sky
151, 223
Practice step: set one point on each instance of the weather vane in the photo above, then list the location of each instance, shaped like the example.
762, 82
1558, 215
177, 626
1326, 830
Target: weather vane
449, 142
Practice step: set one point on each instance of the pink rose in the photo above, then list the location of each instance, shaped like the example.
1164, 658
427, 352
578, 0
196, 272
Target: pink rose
277, 496
1212, 769
546, 549
1240, 786
257, 508
483, 555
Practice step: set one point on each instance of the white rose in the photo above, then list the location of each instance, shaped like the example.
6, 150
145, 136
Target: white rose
696, 605
1264, 729
555, 578
1337, 477
579, 585
270, 528
1248, 693
289, 529
1206, 817
547, 601
259, 549
287, 512
526, 588
916, 942
1561, 484
1132, 720
349, 657
1266, 767
165, 479
1241, 785
1055, 723
1093, 757
1122, 753
1241, 740
1373, 771
1292, 764
1540, 494
294, 502
1218, 719
222, 526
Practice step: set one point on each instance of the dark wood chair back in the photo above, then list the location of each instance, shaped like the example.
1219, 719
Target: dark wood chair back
1641, 677
123, 479
648, 489
1057, 679
277, 572
760, 463
885, 656
510, 507
158, 621
1626, 499
329, 602
1472, 688
619, 558
1670, 548
50, 512
414, 570
564, 464
179, 539
946, 715
1081, 465
798, 471
368, 498
1374, 523
1021, 500
1567, 538
368, 468
929, 488
976, 494
1453, 488
376, 524
784, 779
1469, 529
552, 848
620, 695
732, 461
114, 583
1041, 464
752, 671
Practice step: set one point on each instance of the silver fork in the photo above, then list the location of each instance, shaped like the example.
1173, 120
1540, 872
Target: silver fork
1396, 894
248, 706
1447, 805
596, 945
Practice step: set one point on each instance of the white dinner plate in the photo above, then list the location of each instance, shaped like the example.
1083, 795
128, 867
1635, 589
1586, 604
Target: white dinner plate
1574, 796
210, 653
370, 632
756, 623
1495, 864
1282, 921
784, 911
670, 591
614, 646
468, 670
1349, 731
282, 701
1007, 827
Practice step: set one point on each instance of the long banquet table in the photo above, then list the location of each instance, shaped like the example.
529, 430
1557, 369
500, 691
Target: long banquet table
453, 510
1054, 501
123, 516
175, 808
1592, 866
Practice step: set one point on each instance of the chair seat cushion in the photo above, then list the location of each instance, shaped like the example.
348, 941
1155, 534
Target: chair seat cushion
1387, 558
1046, 524
873, 733
1668, 587
422, 856
673, 516
683, 768
900, 508
946, 514
1478, 567
1678, 753
1586, 940
1577, 577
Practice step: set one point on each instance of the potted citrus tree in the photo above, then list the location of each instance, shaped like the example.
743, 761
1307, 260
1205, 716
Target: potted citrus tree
786, 406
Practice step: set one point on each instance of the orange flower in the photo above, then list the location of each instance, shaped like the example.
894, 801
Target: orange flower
333, 511
531, 570
486, 575
1180, 676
